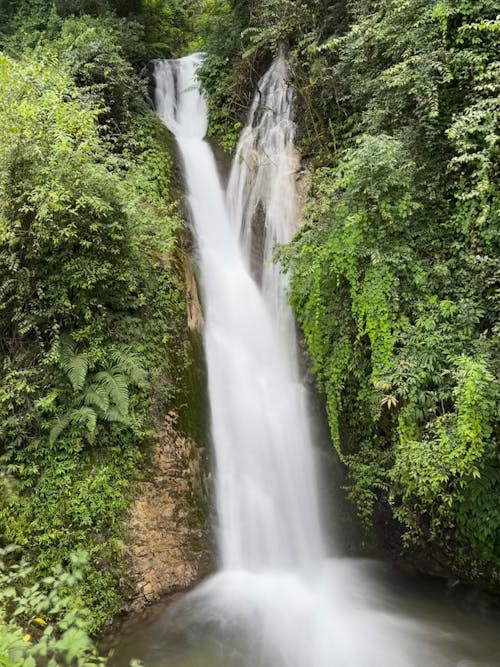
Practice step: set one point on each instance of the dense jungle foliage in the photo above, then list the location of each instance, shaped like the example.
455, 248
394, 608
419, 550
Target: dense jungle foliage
395, 276
93, 342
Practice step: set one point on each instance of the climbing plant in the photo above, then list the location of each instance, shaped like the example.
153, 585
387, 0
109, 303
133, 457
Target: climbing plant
394, 278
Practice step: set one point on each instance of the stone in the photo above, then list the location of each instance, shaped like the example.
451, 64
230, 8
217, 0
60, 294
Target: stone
167, 544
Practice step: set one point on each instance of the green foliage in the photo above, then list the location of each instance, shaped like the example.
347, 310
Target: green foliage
272, 23
43, 621
65, 233
97, 53
394, 275
92, 316
433, 464
400, 316
228, 82
101, 395
145, 29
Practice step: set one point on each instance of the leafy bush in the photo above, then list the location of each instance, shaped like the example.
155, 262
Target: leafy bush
92, 310
398, 311
43, 621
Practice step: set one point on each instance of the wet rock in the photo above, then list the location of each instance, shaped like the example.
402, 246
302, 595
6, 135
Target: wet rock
149, 592
167, 548
194, 314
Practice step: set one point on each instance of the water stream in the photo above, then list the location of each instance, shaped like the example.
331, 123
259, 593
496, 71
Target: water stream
279, 598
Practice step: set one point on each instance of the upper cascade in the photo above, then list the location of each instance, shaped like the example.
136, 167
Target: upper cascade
178, 100
261, 192
265, 162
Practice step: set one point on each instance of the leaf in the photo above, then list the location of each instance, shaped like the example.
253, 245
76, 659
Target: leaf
46, 402
67, 349
114, 415
76, 369
75, 365
117, 387
390, 401
84, 415
96, 395
129, 364
58, 427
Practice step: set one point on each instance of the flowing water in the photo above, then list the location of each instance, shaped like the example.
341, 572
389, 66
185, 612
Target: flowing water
277, 599
266, 489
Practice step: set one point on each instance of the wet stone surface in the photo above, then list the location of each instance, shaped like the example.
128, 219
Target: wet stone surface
167, 547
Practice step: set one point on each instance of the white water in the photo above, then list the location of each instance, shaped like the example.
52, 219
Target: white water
262, 185
277, 597
265, 480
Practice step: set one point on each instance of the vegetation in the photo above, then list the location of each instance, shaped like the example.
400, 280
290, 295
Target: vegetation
394, 275
92, 325
43, 621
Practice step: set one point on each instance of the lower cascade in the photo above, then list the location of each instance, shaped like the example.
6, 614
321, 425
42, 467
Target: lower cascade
279, 599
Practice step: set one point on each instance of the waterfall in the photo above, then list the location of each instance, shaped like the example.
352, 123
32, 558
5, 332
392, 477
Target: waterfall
261, 190
266, 488
276, 596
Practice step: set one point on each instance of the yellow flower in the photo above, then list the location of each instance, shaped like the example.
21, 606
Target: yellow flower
40, 621
26, 638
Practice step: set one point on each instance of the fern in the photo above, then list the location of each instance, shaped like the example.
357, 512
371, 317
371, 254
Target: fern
77, 371
75, 365
85, 416
128, 363
114, 415
80, 416
58, 427
96, 396
116, 386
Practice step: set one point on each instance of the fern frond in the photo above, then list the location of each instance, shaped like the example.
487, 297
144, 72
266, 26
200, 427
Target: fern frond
114, 415
58, 427
67, 349
84, 416
76, 370
74, 364
129, 364
97, 396
116, 386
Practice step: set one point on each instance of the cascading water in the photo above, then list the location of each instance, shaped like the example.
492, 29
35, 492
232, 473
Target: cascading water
265, 480
277, 601
262, 188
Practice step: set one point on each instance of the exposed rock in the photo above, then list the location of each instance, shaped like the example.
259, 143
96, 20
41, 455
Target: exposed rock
167, 546
194, 314
303, 182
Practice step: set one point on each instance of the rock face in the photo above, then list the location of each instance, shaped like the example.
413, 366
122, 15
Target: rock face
194, 314
303, 181
167, 547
